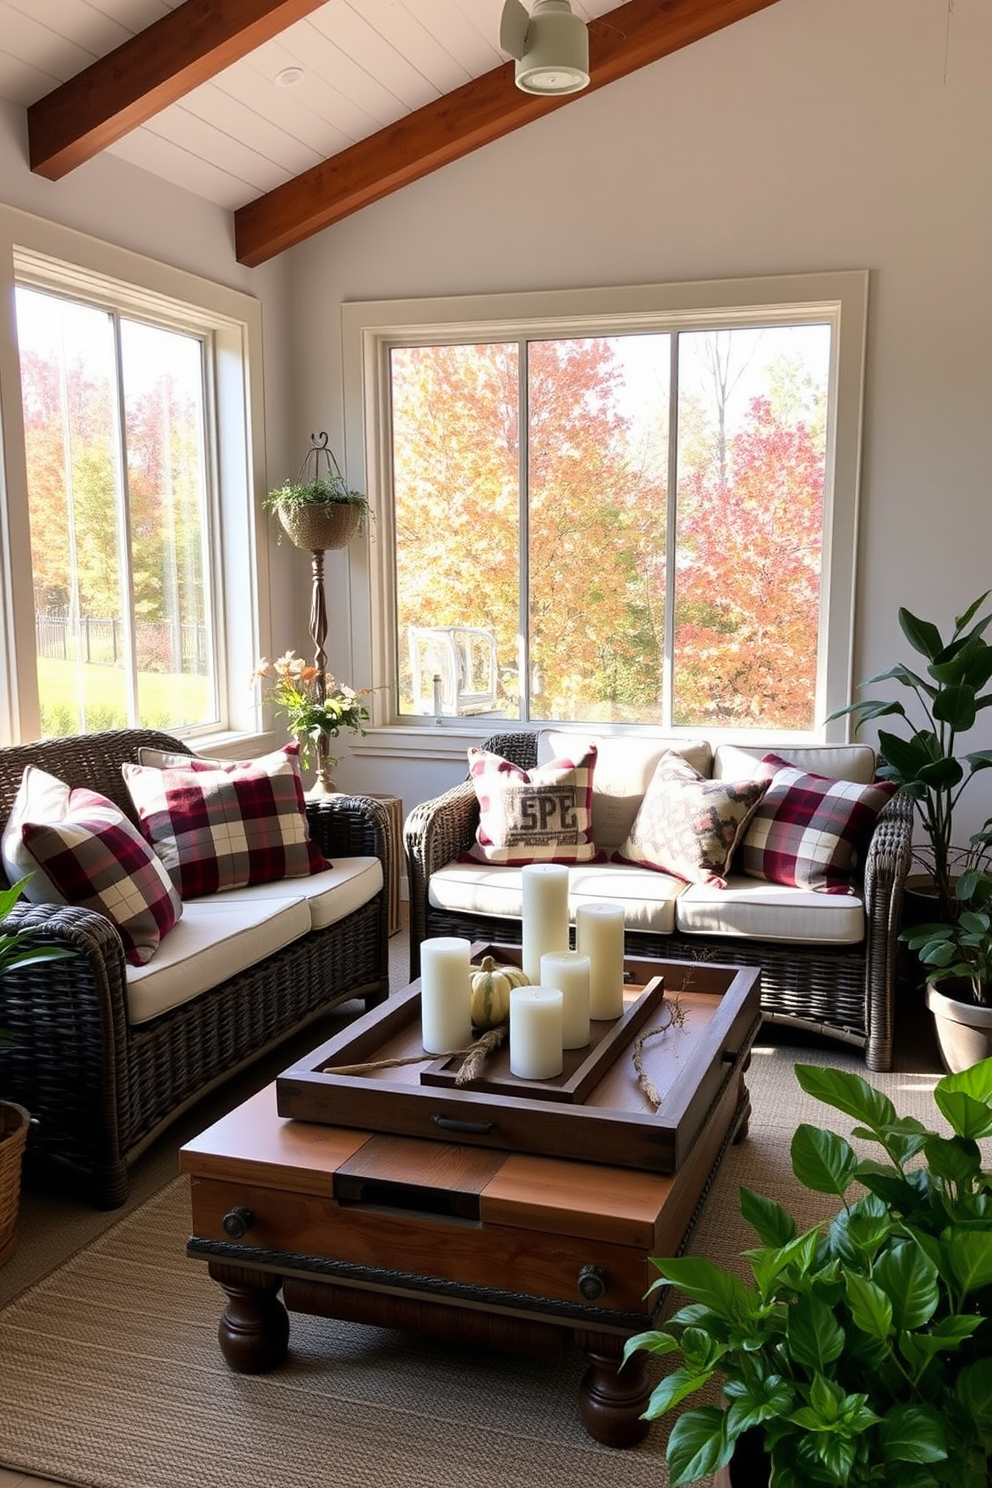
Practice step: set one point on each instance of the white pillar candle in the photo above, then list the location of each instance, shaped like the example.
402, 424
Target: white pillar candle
599, 935
569, 972
544, 894
445, 994
535, 1032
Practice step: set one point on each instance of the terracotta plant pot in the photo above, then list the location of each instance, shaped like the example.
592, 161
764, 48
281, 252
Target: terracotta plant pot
14, 1122
963, 1028
318, 526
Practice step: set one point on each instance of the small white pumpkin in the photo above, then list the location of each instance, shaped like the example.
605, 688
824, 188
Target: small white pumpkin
491, 992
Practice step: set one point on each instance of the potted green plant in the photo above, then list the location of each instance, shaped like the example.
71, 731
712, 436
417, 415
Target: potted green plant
318, 510
925, 759
861, 1350
956, 956
18, 948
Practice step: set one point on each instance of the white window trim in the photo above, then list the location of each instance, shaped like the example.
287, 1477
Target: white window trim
48, 255
370, 328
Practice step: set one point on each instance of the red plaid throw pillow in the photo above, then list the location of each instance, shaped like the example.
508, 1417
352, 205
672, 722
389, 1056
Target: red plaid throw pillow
97, 860
219, 827
809, 832
541, 816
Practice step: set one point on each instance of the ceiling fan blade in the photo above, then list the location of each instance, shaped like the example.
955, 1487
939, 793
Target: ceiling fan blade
513, 28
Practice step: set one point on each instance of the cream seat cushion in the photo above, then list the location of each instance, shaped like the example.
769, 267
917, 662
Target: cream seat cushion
624, 767
648, 897
330, 894
218, 940
751, 909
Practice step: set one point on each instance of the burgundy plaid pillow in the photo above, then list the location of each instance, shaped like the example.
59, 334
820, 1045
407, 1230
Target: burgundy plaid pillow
219, 827
540, 816
97, 860
809, 832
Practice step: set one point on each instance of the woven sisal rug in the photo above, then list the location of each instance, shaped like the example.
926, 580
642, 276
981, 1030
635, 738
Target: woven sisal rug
111, 1377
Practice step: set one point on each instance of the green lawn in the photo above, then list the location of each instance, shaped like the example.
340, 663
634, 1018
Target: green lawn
168, 700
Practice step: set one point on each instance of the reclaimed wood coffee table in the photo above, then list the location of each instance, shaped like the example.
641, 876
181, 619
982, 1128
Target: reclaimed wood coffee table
472, 1213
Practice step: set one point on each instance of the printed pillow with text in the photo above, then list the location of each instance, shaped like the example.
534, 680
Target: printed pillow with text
538, 816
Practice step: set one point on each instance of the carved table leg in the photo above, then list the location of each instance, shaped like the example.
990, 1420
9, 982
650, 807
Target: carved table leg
744, 1105
254, 1326
611, 1399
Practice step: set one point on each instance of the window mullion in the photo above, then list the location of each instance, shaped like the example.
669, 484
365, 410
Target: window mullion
671, 535
523, 457
124, 533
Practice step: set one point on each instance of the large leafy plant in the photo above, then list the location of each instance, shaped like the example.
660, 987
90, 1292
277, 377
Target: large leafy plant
861, 1349
925, 759
960, 949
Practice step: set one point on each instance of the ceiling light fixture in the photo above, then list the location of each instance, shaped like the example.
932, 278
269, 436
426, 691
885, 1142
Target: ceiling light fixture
551, 46
289, 77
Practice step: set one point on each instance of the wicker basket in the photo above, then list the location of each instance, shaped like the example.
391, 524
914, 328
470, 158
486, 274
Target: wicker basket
318, 526
13, 1135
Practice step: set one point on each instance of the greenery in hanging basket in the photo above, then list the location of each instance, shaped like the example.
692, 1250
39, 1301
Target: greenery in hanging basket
861, 1349
326, 491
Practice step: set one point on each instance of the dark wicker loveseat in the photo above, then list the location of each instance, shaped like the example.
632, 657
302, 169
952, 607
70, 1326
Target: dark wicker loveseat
846, 992
100, 1090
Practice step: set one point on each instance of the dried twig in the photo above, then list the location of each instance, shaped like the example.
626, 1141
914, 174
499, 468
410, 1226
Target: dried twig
675, 1019
474, 1054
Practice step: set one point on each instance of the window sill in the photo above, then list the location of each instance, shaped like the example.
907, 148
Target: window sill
447, 740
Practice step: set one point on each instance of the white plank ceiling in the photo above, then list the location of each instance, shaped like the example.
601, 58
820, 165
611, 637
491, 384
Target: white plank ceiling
365, 64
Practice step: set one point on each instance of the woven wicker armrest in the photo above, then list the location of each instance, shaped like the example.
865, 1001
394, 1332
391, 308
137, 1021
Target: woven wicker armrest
890, 854
68, 1031
888, 861
434, 834
349, 827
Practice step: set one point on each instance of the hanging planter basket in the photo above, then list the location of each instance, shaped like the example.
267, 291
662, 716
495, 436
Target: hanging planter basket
14, 1122
316, 525
317, 510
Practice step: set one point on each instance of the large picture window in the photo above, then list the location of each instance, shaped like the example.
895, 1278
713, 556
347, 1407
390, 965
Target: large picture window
133, 567
114, 420
645, 523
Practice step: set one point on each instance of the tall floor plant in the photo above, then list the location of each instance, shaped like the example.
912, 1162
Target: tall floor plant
925, 759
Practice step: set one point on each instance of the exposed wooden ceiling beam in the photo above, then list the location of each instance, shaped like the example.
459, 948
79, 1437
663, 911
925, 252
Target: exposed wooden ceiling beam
483, 110
146, 73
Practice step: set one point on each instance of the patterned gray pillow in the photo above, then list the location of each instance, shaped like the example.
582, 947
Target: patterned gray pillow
689, 825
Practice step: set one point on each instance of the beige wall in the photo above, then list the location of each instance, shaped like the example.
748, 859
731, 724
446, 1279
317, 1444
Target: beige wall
114, 201
813, 136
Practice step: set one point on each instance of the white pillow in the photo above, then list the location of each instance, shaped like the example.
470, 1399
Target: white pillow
40, 798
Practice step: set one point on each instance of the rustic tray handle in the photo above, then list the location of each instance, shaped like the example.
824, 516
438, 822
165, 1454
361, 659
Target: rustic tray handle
467, 1128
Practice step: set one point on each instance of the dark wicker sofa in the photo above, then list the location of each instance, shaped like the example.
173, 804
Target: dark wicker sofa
847, 992
98, 1089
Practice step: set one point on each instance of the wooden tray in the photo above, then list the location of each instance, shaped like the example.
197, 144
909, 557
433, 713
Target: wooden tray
612, 1122
582, 1069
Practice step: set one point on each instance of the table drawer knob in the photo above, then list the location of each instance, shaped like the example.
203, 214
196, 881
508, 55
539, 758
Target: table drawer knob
592, 1282
238, 1221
